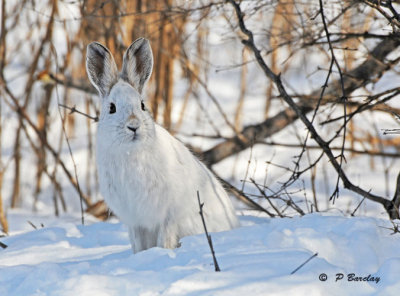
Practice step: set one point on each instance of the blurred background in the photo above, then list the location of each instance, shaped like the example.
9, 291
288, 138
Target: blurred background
209, 91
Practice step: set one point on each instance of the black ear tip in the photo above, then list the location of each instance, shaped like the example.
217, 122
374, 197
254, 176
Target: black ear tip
146, 41
97, 48
139, 40
138, 43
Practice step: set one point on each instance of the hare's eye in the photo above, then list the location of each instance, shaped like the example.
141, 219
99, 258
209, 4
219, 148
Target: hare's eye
143, 106
113, 109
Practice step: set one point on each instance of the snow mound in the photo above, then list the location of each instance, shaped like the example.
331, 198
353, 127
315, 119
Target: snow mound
255, 259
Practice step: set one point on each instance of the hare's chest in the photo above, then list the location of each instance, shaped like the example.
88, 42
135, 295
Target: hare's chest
132, 187
124, 177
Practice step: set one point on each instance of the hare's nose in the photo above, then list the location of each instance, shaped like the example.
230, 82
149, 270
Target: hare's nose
131, 128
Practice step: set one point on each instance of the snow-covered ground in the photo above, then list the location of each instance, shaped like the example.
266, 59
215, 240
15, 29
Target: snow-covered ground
65, 258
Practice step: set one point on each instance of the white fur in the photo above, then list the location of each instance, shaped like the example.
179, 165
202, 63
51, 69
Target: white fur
149, 179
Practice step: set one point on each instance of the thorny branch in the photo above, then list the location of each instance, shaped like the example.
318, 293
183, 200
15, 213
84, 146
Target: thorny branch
250, 43
393, 18
343, 99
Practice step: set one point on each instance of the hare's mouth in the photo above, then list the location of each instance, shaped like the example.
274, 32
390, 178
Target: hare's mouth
133, 132
132, 137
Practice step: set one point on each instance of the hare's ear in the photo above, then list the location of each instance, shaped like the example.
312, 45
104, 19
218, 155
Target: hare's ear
137, 64
101, 68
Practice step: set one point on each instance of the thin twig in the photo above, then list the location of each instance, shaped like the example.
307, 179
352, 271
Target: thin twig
206, 233
69, 145
31, 224
266, 197
3, 245
395, 229
316, 147
213, 99
247, 168
308, 260
355, 210
240, 195
69, 83
14, 105
74, 110
366, 106
394, 212
343, 99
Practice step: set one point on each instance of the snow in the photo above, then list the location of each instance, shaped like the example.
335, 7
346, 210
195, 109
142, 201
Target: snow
65, 258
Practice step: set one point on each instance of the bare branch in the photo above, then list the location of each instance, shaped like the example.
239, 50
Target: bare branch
68, 82
266, 197
305, 262
386, 47
372, 67
3, 245
240, 195
74, 110
21, 111
394, 210
207, 235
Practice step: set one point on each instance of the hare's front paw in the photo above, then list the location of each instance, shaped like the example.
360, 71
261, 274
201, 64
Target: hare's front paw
169, 241
142, 238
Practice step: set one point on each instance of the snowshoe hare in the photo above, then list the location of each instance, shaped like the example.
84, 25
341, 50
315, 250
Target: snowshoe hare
147, 177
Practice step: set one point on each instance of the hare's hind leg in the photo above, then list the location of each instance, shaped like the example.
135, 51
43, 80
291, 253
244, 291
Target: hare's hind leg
134, 244
142, 238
